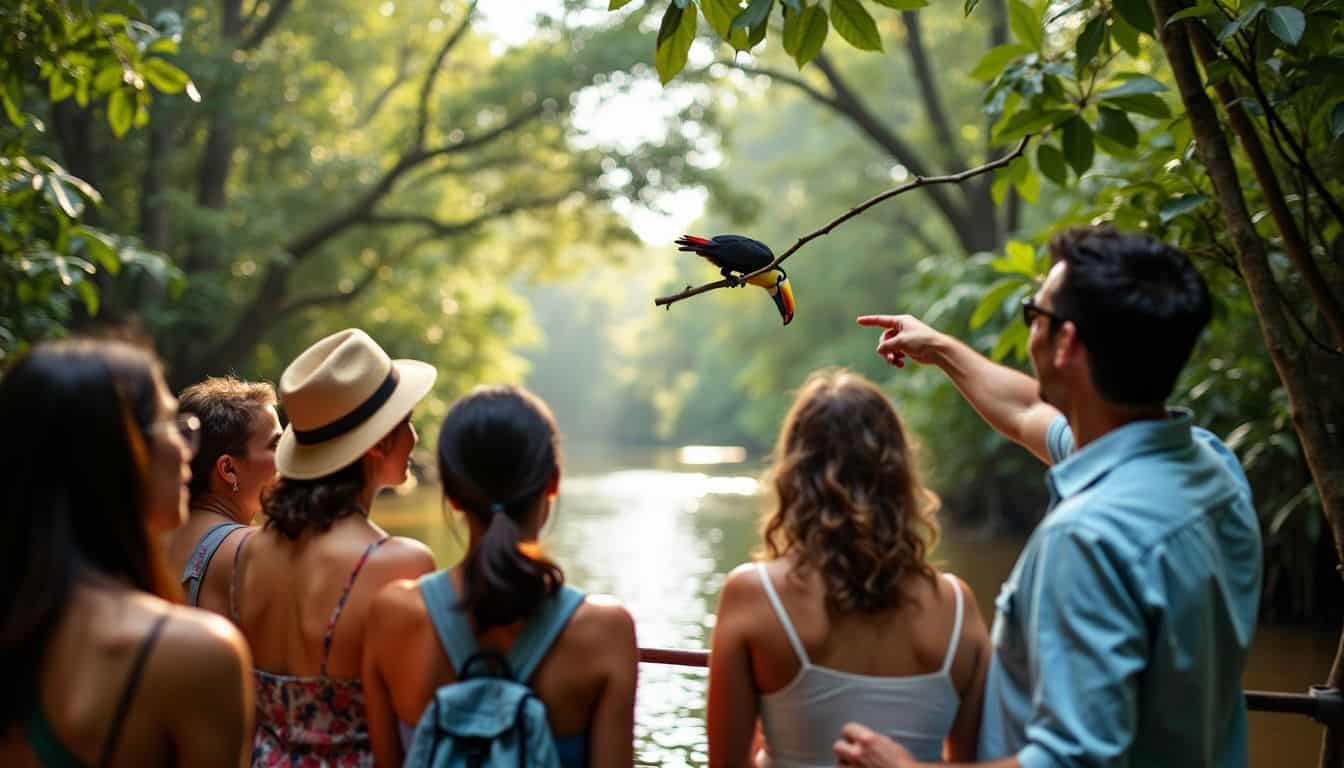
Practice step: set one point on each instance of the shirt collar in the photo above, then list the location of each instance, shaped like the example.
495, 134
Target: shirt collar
1088, 465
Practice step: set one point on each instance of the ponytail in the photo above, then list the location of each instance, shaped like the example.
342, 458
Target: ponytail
502, 583
500, 443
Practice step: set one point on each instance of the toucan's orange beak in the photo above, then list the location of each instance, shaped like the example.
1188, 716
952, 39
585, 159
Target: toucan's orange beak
783, 296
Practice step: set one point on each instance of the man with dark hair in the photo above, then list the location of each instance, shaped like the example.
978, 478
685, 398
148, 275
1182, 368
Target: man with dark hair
1121, 635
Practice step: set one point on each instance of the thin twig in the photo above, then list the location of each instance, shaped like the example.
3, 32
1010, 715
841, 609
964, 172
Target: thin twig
920, 181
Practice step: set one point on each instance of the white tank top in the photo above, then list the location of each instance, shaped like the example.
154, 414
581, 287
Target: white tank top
802, 720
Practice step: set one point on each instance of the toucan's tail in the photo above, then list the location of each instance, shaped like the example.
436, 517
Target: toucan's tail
692, 244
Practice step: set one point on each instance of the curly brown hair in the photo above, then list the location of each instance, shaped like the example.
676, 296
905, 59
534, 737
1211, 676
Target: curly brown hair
850, 501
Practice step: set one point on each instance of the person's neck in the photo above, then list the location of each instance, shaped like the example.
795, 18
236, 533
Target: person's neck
1094, 417
366, 496
221, 506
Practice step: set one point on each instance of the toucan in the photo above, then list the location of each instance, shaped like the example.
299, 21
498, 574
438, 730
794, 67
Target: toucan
737, 256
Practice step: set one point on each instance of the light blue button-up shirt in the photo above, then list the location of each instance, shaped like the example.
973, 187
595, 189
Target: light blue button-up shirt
1121, 635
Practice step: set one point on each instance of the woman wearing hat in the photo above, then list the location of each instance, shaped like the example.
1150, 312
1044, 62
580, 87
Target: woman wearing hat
303, 584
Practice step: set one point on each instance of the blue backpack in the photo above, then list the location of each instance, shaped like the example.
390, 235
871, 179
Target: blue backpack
489, 717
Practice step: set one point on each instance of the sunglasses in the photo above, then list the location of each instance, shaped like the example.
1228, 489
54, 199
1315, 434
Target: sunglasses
188, 428
1031, 310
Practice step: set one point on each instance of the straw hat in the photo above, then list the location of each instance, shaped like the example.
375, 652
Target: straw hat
342, 396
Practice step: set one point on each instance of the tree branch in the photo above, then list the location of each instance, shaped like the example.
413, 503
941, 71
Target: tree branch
359, 210
403, 72
848, 103
442, 229
793, 80
263, 29
333, 297
920, 181
928, 89
1293, 242
427, 87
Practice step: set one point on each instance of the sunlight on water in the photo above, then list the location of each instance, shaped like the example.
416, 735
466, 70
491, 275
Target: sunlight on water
663, 540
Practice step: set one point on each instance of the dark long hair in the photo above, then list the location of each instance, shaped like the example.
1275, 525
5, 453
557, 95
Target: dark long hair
498, 453
850, 502
73, 488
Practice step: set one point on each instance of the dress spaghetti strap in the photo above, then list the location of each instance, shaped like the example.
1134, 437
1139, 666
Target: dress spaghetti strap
783, 615
128, 693
956, 626
233, 580
340, 604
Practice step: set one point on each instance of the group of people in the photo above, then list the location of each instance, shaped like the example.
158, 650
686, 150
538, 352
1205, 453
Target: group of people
147, 621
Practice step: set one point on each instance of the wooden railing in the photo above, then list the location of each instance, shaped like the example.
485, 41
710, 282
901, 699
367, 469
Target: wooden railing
1324, 705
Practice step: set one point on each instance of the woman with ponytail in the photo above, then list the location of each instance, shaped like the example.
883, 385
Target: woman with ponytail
844, 618
499, 464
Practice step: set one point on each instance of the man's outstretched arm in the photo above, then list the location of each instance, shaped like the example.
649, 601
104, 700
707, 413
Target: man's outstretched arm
1007, 399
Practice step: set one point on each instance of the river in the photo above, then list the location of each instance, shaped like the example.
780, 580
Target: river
661, 535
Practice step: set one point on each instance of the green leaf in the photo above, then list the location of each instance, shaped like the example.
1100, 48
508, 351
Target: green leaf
1217, 71
796, 5
1078, 146
108, 78
89, 293
756, 12
1011, 339
120, 112
1125, 35
1137, 13
855, 25
62, 196
1236, 26
1029, 184
1287, 23
1019, 259
16, 117
100, 248
1115, 125
58, 88
1197, 10
720, 15
1026, 24
993, 300
616, 5
164, 76
815, 27
1135, 86
1178, 206
1337, 121
675, 36
1145, 104
793, 32
904, 5
1089, 42
998, 57
998, 191
1029, 121
1050, 162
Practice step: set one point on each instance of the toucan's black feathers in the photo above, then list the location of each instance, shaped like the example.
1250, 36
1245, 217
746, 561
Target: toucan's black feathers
732, 252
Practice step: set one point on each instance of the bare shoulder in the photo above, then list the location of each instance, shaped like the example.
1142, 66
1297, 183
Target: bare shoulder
405, 556
968, 598
741, 587
398, 601
201, 650
603, 618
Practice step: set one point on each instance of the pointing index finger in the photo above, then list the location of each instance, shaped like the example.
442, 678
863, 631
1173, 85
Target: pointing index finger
880, 321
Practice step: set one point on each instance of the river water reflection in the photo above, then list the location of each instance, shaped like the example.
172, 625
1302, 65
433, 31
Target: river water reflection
661, 535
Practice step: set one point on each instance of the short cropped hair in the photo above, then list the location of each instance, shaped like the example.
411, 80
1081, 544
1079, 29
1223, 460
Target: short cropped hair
227, 408
1139, 306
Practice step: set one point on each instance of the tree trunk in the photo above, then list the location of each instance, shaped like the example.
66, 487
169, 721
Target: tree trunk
1312, 377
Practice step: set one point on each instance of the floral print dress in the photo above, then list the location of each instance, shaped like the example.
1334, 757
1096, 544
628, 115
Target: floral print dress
310, 721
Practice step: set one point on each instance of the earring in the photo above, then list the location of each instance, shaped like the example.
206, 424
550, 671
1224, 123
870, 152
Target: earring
235, 486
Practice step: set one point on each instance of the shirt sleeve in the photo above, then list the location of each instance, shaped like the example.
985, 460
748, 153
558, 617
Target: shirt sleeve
1059, 439
1087, 646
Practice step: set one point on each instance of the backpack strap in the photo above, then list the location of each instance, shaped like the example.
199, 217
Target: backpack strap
450, 624
541, 631
194, 574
